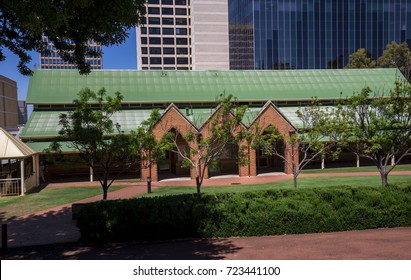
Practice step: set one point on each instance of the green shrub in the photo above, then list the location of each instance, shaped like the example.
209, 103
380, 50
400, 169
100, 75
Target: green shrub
256, 213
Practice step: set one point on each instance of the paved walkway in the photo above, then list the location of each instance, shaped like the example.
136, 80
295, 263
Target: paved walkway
55, 225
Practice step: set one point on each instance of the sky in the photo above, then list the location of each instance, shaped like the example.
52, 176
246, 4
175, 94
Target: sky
115, 57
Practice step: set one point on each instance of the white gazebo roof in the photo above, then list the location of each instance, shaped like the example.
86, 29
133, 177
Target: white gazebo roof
13, 148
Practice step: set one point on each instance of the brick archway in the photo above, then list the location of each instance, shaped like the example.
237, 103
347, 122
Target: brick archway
270, 116
171, 120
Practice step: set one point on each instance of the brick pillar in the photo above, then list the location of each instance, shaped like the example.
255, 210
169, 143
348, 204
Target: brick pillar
250, 168
288, 153
145, 173
253, 162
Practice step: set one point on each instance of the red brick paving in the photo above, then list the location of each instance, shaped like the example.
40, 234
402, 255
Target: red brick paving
376, 244
55, 225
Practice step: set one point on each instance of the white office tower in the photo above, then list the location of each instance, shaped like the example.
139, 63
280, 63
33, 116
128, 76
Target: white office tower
184, 35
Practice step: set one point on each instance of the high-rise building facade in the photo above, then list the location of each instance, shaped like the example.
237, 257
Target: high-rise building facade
313, 34
52, 60
9, 117
184, 35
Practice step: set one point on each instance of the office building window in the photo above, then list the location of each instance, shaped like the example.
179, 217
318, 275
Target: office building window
154, 20
180, 11
168, 31
168, 41
155, 40
181, 41
168, 21
169, 60
181, 21
155, 50
181, 31
182, 60
167, 11
168, 51
182, 50
155, 60
154, 30
153, 11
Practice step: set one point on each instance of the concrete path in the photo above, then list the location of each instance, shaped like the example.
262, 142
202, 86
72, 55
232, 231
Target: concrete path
55, 225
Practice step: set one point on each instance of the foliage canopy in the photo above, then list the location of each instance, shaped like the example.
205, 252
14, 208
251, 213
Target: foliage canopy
90, 131
69, 24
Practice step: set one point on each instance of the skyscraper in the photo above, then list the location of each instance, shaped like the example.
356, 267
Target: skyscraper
54, 61
9, 117
304, 34
177, 35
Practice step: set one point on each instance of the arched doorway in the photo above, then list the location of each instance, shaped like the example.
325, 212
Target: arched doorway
226, 163
270, 163
172, 165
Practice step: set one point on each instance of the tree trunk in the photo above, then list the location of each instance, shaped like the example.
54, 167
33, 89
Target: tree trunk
384, 179
105, 190
105, 185
198, 184
149, 180
295, 180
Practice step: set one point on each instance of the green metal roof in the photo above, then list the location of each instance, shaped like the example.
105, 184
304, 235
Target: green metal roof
46, 123
62, 86
199, 115
41, 146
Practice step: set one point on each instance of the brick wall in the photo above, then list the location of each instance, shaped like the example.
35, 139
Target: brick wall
173, 119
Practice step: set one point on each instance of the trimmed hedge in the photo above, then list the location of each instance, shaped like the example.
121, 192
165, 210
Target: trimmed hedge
277, 211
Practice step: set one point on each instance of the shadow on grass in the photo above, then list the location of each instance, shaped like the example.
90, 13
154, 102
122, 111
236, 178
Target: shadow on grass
57, 230
206, 249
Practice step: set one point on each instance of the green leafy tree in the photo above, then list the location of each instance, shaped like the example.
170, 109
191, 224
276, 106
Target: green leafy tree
90, 131
397, 56
150, 151
308, 142
69, 24
377, 126
360, 59
222, 131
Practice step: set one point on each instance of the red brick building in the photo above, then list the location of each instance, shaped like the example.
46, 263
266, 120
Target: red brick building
187, 99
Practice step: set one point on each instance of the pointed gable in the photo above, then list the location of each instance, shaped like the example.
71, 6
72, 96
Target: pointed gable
173, 118
13, 148
271, 115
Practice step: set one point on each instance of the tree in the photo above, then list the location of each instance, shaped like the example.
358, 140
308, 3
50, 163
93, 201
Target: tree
397, 56
149, 150
89, 130
360, 59
69, 24
377, 126
308, 142
221, 131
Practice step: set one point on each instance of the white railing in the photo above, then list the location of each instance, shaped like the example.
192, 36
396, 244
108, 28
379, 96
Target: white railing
9, 187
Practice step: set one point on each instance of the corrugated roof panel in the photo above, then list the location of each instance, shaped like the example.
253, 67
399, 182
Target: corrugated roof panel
46, 124
62, 86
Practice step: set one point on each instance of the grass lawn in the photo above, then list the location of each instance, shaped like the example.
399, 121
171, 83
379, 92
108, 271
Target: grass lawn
302, 183
14, 206
404, 167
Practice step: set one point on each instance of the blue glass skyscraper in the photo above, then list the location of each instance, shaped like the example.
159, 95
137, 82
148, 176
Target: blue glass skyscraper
313, 34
